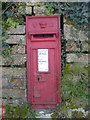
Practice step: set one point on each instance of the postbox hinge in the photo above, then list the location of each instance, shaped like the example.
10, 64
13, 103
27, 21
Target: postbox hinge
29, 35
57, 34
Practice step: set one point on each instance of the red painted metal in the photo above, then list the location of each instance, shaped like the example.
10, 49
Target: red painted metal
43, 87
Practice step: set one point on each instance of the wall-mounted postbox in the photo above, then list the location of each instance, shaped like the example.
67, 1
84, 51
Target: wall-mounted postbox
43, 61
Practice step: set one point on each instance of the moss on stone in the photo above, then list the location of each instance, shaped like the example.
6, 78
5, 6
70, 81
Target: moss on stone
76, 114
11, 80
70, 22
67, 68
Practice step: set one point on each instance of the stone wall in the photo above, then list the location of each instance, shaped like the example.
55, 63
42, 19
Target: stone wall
76, 53
14, 67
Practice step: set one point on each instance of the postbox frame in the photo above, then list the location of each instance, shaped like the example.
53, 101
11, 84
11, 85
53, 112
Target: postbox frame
29, 65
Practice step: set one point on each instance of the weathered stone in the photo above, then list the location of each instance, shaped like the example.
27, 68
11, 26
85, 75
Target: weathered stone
18, 59
73, 47
13, 83
28, 10
83, 58
14, 72
4, 82
16, 39
14, 101
0, 59
80, 65
0, 92
85, 46
20, 29
19, 83
34, 3
19, 101
71, 33
71, 57
44, 114
39, 10
7, 61
18, 49
13, 93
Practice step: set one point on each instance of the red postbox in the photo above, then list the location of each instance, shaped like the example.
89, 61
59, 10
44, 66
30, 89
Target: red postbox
43, 61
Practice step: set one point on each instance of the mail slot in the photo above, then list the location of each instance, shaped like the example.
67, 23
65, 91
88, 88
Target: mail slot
40, 37
43, 61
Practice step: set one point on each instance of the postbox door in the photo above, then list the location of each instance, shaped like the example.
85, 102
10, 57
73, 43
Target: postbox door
44, 78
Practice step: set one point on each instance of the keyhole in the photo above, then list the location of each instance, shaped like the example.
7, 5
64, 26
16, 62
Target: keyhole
38, 78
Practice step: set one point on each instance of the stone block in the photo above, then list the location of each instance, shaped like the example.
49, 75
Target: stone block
20, 29
73, 47
28, 10
71, 57
18, 49
18, 59
16, 39
0, 59
14, 101
39, 10
13, 83
18, 83
85, 46
13, 93
36, 3
71, 33
14, 72
82, 58
5, 82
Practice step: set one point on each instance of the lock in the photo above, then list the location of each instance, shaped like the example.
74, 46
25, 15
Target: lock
38, 79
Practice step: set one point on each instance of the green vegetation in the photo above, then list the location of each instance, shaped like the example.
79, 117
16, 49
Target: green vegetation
76, 114
76, 13
20, 112
13, 14
74, 90
50, 9
74, 84
7, 51
11, 17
